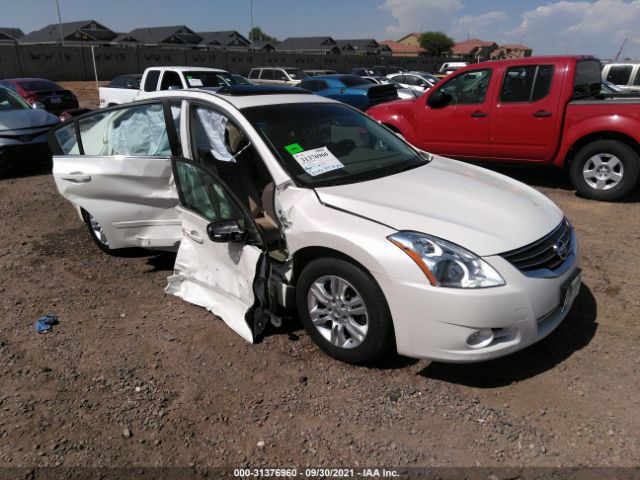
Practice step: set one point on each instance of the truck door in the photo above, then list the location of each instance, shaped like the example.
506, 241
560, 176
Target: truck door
525, 119
461, 127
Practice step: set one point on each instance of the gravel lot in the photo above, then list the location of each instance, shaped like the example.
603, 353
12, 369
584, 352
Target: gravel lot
131, 376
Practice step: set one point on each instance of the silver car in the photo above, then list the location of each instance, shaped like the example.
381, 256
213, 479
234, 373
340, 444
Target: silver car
23, 132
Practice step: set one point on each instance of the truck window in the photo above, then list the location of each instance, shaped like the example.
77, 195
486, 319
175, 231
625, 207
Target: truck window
526, 84
279, 75
636, 81
151, 82
619, 74
468, 88
254, 73
588, 78
170, 79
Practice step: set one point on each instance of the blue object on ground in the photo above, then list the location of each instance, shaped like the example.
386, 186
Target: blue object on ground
44, 324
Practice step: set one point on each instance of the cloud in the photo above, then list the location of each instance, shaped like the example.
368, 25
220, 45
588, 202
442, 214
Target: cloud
420, 15
482, 26
581, 27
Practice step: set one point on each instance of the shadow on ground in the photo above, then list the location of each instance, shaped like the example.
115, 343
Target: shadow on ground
573, 334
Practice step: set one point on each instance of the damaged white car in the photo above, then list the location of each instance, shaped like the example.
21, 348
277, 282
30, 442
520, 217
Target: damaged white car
280, 200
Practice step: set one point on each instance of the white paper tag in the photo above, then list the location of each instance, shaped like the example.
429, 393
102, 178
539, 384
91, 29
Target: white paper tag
318, 161
194, 82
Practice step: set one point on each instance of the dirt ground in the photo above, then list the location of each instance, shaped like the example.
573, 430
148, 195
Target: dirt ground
132, 376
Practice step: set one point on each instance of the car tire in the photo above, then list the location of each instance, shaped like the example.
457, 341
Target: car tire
605, 170
356, 328
96, 232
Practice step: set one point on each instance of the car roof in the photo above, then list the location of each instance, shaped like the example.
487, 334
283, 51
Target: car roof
240, 101
276, 66
27, 79
531, 60
184, 69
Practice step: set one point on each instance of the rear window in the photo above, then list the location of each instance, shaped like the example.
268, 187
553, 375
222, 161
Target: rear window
526, 83
151, 82
295, 73
39, 85
619, 74
353, 81
588, 78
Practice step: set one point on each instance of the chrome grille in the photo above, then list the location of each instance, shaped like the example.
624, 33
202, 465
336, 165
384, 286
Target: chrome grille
547, 253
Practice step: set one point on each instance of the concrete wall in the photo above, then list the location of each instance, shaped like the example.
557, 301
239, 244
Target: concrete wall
75, 63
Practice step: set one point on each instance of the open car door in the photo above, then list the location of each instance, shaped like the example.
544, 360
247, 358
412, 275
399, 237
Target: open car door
221, 264
115, 166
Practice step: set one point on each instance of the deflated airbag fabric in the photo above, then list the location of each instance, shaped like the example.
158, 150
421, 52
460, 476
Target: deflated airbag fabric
213, 126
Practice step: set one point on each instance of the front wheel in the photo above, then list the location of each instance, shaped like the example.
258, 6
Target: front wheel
605, 170
344, 311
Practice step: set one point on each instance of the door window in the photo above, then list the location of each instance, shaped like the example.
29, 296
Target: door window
151, 82
526, 84
221, 146
254, 73
279, 75
170, 79
619, 74
468, 88
201, 193
131, 131
636, 80
267, 74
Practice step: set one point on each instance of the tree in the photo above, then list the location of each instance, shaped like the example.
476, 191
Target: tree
257, 34
436, 43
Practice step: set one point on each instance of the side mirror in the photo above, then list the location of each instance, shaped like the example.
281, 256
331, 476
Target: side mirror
225, 231
439, 99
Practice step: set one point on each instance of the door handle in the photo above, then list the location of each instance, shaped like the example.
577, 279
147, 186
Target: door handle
542, 114
193, 235
479, 114
77, 177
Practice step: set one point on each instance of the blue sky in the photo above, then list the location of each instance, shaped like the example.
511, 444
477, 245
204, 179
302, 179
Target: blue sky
549, 27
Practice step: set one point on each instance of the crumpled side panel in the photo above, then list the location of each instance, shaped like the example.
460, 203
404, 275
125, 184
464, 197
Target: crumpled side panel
224, 286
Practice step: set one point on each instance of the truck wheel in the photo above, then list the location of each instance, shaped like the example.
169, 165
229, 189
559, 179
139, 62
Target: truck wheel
344, 311
97, 233
605, 170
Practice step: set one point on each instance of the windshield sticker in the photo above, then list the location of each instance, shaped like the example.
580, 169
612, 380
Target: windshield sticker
194, 82
318, 161
294, 148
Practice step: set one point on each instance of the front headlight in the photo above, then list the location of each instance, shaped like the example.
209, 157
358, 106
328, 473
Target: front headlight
446, 264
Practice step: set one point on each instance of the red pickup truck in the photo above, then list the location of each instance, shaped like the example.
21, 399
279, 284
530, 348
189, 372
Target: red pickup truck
537, 110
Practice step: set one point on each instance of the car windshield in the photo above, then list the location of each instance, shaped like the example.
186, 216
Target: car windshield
353, 80
39, 85
204, 79
295, 73
323, 144
11, 101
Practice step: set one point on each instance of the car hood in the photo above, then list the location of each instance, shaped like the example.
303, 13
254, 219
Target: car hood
29, 118
483, 211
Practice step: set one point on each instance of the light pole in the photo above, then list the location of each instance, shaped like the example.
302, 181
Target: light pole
60, 24
251, 19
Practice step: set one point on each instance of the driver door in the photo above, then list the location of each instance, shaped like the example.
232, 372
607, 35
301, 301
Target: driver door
461, 127
228, 277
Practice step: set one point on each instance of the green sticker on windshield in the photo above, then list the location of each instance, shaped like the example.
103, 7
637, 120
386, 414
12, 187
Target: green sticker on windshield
294, 148
189, 77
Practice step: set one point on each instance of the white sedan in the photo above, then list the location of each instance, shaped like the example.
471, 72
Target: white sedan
279, 198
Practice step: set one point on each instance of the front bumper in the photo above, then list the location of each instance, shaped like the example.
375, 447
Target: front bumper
436, 323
